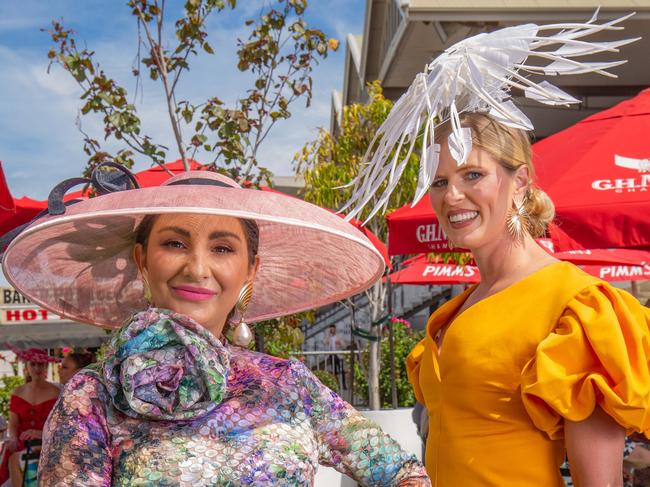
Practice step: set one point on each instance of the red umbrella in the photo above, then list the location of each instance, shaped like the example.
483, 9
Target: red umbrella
597, 173
420, 271
415, 230
6, 200
609, 265
605, 257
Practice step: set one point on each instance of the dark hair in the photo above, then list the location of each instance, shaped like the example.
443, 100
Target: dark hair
81, 359
251, 230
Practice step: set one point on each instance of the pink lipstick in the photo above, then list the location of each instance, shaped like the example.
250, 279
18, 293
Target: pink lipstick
192, 293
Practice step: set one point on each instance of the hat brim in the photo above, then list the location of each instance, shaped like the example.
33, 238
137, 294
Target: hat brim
79, 265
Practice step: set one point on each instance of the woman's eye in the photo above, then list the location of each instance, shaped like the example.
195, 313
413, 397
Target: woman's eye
222, 249
473, 175
174, 244
439, 183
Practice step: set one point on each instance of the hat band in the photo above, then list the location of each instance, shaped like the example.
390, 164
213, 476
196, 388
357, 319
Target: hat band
200, 181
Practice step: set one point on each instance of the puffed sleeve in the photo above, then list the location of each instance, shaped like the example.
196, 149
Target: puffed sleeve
598, 354
353, 444
76, 439
413, 362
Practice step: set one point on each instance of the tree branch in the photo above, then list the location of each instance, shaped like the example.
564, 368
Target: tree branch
159, 59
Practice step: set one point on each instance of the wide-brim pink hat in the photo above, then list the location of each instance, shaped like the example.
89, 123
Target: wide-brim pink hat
79, 264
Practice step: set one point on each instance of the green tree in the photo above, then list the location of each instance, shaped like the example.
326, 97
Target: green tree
405, 339
280, 53
332, 161
282, 337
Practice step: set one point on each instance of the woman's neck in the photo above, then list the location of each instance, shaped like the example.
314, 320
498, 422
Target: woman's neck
36, 383
503, 262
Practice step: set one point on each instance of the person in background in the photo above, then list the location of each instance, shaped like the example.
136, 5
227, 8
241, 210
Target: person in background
420, 417
74, 362
636, 461
29, 406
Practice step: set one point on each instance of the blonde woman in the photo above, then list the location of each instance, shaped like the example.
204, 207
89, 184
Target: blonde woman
539, 358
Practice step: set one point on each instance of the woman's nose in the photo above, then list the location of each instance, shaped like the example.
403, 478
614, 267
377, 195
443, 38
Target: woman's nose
453, 194
197, 265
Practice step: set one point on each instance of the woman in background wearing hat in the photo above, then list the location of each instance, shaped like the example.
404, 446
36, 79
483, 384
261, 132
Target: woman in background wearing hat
539, 359
29, 407
172, 402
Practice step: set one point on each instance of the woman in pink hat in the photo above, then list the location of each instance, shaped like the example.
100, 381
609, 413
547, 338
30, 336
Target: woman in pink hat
176, 269
29, 407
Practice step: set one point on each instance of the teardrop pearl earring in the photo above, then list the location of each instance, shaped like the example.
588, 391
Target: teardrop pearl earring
242, 335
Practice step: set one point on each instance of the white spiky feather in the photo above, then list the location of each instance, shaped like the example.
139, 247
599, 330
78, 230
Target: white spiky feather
475, 75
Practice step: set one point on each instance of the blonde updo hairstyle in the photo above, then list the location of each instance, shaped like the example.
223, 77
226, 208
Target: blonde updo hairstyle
511, 148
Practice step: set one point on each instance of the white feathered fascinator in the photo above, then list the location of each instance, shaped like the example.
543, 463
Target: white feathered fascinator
475, 75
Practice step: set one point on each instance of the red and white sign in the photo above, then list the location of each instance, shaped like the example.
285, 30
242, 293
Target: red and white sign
414, 230
16, 309
614, 273
420, 271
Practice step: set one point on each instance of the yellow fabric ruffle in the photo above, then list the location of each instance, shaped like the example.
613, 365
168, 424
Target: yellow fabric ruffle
413, 362
598, 354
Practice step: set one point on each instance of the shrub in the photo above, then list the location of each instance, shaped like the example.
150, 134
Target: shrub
7, 385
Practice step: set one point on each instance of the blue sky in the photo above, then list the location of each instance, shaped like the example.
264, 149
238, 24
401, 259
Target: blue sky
39, 141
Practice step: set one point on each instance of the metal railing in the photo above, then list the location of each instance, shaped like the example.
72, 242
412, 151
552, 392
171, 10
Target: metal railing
340, 364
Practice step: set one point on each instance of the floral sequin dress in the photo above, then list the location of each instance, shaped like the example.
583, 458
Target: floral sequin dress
171, 406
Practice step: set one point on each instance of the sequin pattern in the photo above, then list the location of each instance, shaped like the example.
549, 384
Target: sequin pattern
273, 425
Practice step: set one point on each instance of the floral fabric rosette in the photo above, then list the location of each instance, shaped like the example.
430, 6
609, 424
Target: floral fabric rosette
163, 365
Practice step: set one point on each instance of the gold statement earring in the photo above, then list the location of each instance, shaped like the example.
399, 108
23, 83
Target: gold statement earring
147, 290
242, 334
518, 220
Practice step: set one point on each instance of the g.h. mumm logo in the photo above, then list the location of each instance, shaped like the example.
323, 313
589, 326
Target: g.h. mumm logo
627, 185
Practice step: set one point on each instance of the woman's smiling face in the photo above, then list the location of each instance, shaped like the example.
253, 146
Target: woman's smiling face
196, 265
472, 200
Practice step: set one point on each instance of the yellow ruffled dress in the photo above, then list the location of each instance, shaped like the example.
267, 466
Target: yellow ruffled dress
515, 365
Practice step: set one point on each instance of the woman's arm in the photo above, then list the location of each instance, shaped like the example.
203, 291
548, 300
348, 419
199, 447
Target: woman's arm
12, 430
353, 444
76, 441
595, 449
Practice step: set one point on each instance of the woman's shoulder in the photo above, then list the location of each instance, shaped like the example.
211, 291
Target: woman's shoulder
257, 361
87, 382
19, 390
251, 364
